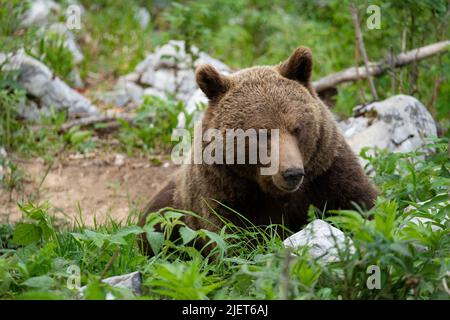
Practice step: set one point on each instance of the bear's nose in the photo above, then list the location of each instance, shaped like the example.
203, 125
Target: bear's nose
293, 175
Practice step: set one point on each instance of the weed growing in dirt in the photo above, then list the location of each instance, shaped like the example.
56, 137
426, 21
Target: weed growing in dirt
52, 51
152, 127
410, 247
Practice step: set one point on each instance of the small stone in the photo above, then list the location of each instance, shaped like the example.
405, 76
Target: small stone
39, 12
119, 160
143, 17
323, 241
131, 281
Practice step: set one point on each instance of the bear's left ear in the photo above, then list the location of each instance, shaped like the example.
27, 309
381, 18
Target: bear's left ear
212, 83
298, 67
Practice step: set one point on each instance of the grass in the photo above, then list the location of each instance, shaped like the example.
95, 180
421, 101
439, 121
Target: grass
249, 263
151, 131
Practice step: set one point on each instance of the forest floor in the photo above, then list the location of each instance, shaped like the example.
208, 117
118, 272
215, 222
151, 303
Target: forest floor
100, 185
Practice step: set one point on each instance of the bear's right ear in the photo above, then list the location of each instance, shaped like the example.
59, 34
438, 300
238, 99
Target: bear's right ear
212, 83
299, 66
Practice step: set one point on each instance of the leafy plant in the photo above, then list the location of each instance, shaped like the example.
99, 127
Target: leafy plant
9, 125
52, 51
40, 228
152, 127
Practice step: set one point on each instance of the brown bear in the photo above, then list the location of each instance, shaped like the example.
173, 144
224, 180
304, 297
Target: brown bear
316, 165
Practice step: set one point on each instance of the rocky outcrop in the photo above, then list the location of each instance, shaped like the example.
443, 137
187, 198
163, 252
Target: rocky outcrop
44, 90
48, 15
400, 123
167, 72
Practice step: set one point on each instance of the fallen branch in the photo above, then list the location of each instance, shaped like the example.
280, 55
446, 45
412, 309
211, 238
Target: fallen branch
108, 121
375, 69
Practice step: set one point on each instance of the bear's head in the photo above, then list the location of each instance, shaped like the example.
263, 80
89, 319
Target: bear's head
272, 97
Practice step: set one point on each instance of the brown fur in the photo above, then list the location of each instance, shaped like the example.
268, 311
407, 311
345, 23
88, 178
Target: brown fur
280, 97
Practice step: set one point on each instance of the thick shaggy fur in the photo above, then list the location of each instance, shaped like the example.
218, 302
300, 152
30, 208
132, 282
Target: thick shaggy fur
283, 98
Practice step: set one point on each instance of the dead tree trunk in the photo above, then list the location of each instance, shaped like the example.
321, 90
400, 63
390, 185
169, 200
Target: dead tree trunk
362, 49
375, 69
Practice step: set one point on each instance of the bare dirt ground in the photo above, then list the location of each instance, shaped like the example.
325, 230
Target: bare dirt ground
98, 185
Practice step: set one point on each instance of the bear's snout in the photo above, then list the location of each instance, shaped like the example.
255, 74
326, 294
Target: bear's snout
293, 176
289, 180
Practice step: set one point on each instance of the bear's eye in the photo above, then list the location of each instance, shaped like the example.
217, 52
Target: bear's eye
297, 130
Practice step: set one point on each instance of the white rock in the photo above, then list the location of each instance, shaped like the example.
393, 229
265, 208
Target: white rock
132, 77
131, 281
3, 156
134, 91
164, 80
174, 55
155, 92
148, 78
206, 59
324, 241
142, 16
48, 91
39, 12
194, 104
169, 71
119, 160
75, 79
186, 84
125, 92
400, 123
118, 97
30, 110
196, 100
147, 63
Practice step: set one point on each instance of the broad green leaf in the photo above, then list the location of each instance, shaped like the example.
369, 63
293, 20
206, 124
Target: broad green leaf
125, 231
79, 137
216, 238
172, 215
441, 199
41, 282
187, 234
156, 240
95, 290
26, 233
